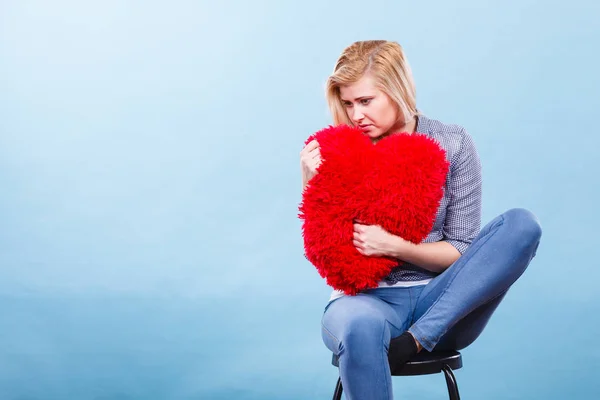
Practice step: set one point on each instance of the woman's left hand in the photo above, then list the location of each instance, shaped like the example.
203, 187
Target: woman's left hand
373, 240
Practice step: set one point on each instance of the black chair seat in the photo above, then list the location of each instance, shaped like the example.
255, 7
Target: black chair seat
424, 363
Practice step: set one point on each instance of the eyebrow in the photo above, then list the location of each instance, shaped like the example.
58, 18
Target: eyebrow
359, 98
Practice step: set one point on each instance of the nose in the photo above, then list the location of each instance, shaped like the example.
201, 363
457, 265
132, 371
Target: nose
357, 115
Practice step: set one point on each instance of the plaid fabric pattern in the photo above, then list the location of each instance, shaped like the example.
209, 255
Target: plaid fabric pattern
458, 218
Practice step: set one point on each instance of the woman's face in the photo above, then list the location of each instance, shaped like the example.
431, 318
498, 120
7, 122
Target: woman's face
369, 108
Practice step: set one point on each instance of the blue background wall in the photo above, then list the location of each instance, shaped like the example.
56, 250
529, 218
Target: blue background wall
149, 178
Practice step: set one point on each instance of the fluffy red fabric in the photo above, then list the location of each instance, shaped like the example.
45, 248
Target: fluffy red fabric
397, 184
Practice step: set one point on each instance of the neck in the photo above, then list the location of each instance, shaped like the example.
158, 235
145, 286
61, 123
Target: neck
408, 127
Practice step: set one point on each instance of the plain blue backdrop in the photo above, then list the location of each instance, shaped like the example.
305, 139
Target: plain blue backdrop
149, 183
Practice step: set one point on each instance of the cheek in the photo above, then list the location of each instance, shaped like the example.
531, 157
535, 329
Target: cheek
382, 112
383, 116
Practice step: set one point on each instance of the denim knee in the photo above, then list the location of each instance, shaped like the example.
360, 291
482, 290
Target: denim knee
354, 331
364, 327
364, 334
524, 225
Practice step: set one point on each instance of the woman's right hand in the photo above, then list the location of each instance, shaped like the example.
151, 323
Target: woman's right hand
310, 159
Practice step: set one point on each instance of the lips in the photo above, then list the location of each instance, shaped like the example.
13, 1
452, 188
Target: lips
365, 127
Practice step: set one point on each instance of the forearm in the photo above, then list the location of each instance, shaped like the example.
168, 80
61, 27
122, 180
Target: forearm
436, 256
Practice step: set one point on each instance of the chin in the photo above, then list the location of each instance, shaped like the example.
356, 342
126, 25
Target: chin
376, 134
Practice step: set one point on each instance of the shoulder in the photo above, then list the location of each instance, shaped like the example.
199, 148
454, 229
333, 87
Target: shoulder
453, 138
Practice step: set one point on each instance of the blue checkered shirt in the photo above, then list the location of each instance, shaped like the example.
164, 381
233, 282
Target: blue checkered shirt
458, 218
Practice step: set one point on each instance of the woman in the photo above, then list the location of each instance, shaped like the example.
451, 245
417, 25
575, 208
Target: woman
447, 288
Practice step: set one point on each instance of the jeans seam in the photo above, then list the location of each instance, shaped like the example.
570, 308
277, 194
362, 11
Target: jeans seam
332, 336
412, 306
385, 361
458, 273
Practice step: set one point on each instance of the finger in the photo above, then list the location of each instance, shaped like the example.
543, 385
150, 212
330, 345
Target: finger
313, 144
314, 164
357, 244
309, 157
356, 236
317, 161
358, 228
310, 146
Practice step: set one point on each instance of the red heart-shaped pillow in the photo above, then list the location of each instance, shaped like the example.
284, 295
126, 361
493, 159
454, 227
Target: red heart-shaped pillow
396, 183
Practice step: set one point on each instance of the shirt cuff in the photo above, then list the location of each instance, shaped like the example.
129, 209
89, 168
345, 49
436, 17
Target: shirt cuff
459, 245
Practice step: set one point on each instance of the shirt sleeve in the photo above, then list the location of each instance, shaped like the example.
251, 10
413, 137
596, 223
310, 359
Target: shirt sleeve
463, 213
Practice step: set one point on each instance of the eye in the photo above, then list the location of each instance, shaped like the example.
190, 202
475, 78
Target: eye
347, 104
365, 101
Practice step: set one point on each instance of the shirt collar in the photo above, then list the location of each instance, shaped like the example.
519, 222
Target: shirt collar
423, 124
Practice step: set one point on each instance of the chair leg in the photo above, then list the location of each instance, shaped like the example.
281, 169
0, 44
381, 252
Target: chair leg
337, 395
451, 383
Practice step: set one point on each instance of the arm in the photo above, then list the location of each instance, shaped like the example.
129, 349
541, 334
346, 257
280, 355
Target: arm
463, 216
434, 257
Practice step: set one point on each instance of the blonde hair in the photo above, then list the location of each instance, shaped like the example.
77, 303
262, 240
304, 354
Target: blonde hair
386, 63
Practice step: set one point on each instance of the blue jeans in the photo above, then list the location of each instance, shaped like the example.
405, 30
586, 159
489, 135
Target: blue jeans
449, 312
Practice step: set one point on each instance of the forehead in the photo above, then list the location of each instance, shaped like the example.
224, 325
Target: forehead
365, 86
